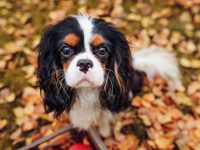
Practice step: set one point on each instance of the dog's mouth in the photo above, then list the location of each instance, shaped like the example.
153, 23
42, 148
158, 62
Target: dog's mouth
84, 80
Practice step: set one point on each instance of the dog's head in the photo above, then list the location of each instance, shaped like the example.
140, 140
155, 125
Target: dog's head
84, 52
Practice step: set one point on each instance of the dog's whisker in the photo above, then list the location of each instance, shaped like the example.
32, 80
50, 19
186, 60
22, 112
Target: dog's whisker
59, 86
108, 79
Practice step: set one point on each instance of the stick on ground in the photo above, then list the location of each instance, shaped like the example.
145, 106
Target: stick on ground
94, 137
46, 138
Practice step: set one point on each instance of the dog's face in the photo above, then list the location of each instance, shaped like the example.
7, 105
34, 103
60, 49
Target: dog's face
82, 52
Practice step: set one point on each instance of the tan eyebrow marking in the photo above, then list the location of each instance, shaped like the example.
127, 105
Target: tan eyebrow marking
71, 39
97, 40
103, 65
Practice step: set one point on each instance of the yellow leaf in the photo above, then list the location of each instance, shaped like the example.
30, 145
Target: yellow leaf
195, 63
29, 70
28, 110
193, 87
176, 37
10, 47
3, 123
2, 64
197, 133
130, 143
6, 96
20, 121
164, 142
182, 145
134, 17
183, 99
185, 62
28, 141
146, 120
57, 15
28, 125
49, 131
19, 112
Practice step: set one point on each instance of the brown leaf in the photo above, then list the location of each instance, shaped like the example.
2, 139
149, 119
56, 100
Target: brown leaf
130, 143
16, 134
6, 96
57, 15
193, 87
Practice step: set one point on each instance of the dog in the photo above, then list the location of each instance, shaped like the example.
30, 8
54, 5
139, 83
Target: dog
86, 68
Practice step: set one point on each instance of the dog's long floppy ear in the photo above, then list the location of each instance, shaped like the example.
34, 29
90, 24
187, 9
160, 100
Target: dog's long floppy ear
57, 96
117, 92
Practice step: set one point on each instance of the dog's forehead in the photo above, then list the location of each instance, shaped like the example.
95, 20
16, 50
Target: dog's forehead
83, 28
84, 25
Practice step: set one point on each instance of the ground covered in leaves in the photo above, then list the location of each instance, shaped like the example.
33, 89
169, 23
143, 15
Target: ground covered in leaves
158, 118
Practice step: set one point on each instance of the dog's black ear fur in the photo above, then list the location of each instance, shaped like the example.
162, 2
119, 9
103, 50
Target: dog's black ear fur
118, 90
57, 96
138, 81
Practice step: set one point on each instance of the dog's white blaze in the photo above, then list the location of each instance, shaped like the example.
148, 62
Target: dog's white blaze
86, 25
86, 110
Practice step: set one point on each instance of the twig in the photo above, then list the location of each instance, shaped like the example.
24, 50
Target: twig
98, 143
46, 138
94, 137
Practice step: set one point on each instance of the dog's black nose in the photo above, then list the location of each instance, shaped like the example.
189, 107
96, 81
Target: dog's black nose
84, 65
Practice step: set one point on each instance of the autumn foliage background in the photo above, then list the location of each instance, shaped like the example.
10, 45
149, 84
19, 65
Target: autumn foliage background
158, 118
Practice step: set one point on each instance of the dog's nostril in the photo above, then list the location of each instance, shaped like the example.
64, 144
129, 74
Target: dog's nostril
89, 64
84, 65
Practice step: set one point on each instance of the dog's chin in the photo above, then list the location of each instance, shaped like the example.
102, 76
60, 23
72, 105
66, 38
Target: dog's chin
85, 83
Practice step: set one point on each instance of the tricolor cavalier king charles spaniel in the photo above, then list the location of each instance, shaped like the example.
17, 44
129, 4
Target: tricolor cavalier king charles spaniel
86, 67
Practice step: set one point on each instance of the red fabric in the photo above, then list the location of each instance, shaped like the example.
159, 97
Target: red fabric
80, 146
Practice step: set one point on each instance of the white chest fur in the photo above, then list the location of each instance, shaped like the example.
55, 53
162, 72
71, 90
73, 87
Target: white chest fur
86, 109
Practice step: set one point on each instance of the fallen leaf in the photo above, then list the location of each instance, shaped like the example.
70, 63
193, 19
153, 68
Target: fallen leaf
197, 133
185, 62
183, 99
16, 134
193, 87
3, 123
164, 142
28, 110
6, 96
19, 112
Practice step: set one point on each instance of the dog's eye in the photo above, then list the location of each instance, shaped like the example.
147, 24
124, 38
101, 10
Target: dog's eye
67, 51
102, 51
